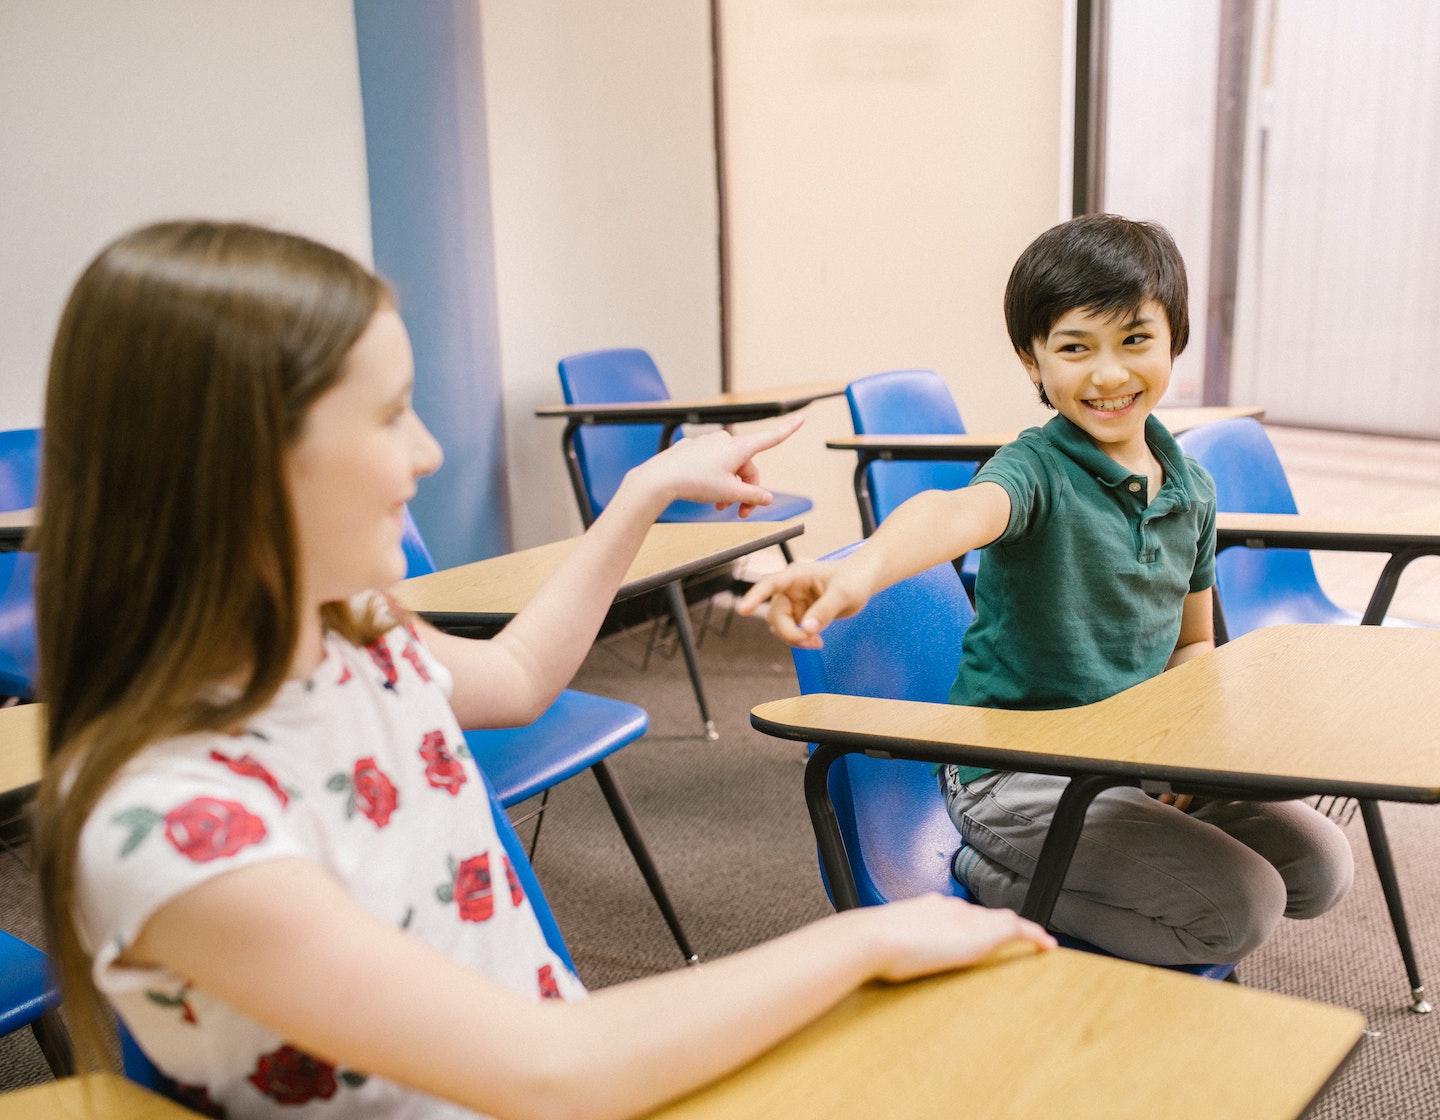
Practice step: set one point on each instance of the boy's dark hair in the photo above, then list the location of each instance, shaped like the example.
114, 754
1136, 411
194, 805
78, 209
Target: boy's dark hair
1100, 263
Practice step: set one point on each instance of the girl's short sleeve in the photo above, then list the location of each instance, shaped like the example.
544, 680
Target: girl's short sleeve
181, 814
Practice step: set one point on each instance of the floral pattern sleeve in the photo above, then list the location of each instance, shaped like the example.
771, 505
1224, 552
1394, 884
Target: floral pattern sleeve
160, 831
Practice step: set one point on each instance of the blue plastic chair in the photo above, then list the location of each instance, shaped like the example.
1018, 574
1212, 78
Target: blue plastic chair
29, 998
908, 402
1259, 586
904, 645
579, 731
602, 453
139, 1068
19, 474
606, 451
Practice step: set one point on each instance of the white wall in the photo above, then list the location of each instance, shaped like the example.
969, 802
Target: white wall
887, 164
112, 115
602, 173
1160, 142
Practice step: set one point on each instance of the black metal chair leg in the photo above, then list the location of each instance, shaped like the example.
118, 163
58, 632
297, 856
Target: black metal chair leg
1059, 846
539, 815
49, 1031
1390, 884
683, 631
630, 829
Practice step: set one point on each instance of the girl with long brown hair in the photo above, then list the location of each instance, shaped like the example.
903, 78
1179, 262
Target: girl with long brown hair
259, 839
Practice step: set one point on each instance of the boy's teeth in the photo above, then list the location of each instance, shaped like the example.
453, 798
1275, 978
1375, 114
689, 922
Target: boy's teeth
1115, 404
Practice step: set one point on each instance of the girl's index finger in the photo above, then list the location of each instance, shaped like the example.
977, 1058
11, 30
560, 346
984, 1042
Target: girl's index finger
763, 440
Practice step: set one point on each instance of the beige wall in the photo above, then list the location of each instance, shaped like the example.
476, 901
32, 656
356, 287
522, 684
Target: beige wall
602, 172
886, 164
112, 115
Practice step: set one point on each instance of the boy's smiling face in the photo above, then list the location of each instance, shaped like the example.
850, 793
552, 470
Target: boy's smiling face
1105, 375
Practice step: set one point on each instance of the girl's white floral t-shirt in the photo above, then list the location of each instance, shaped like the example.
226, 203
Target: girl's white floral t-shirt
362, 769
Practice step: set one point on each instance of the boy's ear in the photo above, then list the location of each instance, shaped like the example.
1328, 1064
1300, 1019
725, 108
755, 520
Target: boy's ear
1032, 367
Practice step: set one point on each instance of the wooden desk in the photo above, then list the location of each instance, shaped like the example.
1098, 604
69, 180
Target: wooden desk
490, 592
1284, 711
977, 447
14, 524
96, 1096
1406, 536
722, 408
22, 731
1061, 1034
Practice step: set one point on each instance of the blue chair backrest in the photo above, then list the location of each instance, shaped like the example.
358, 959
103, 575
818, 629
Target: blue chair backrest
904, 645
418, 561
19, 468
1258, 586
607, 451
906, 402
19, 484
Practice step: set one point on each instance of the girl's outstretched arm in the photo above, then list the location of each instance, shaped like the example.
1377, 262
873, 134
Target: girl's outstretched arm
283, 944
513, 678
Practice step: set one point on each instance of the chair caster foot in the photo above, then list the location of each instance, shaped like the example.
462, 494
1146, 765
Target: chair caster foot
710, 732
1418, 1003
692, 959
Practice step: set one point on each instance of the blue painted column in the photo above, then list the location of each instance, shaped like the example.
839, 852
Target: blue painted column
424, 104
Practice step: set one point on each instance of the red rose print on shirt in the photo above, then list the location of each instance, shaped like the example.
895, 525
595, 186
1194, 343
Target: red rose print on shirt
442, 769
380, 654
247, 767
291, 1076
470, 888
371, 792
208, 828
517, 893
549, 986
202, 829
411, 653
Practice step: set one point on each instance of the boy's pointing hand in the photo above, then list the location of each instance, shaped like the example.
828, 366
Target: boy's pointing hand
804, 599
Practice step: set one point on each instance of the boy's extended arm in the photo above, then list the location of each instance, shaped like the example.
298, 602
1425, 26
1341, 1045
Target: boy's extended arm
932, 527
511, 679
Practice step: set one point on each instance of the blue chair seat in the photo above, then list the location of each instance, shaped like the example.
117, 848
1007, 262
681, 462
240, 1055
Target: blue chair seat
783, 508
26, 988
574, 732
29, 997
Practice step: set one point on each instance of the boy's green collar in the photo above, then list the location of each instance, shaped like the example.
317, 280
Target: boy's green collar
1073, 441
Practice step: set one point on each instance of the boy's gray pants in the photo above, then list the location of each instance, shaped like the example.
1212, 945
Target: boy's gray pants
1149, 882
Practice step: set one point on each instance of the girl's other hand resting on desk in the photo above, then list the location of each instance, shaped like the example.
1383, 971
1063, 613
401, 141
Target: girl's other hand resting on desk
933, 934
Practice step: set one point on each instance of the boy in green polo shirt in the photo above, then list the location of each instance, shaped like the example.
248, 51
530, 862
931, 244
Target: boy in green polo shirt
1099, 537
